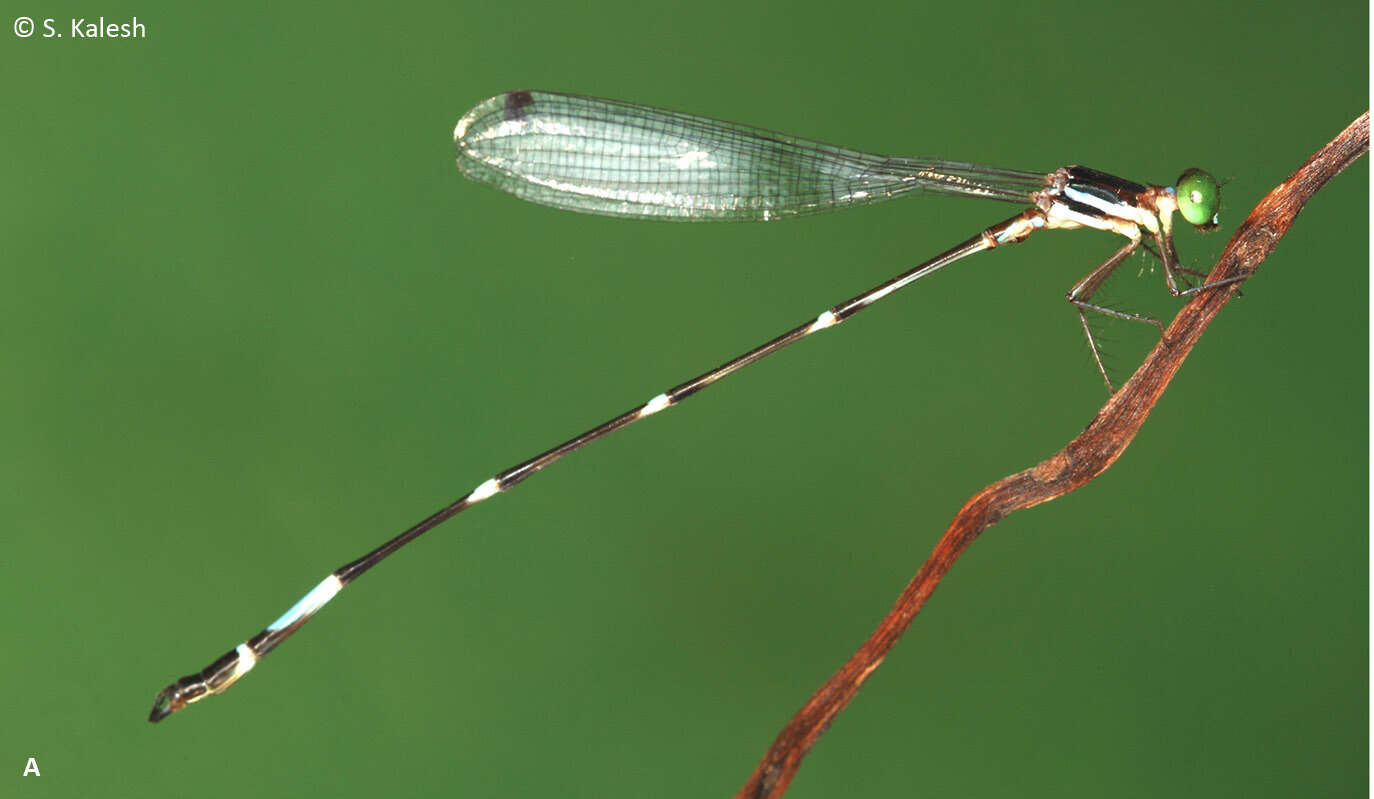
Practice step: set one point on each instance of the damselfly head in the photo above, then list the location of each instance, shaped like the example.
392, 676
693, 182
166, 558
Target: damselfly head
1199, 198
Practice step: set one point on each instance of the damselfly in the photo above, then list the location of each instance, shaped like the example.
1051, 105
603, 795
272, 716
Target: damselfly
619, 159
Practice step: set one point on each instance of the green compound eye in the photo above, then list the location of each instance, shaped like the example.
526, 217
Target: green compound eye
1199, 195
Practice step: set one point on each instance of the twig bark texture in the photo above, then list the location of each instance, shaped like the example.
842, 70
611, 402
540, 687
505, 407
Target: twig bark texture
1081, 460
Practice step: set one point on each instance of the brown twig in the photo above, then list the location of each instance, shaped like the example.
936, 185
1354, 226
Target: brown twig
1085, 457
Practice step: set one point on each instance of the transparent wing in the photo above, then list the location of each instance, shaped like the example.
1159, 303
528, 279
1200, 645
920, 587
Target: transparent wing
620, 159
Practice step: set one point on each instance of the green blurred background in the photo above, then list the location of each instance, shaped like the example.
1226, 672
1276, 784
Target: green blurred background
255, 322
